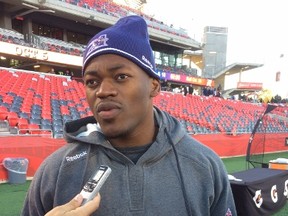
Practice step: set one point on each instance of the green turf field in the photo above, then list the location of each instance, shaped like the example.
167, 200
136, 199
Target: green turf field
12, 196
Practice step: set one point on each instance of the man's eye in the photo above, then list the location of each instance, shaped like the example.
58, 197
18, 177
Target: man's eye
91, 83
122, 76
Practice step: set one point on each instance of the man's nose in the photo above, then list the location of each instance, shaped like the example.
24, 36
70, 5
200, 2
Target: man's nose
107, 88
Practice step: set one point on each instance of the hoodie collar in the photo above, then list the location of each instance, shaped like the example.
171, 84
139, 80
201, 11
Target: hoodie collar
84, 129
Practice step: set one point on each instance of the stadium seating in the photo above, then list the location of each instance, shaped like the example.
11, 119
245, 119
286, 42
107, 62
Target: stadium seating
44, 43
201, 114
40, 104
69, 48
11, 36
33, 101
102, 6
115, 10
60, 46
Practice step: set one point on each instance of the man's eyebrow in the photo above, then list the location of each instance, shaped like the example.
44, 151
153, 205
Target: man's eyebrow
90, 72
111, 68
116, 67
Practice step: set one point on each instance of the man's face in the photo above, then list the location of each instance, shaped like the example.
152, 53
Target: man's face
119, 94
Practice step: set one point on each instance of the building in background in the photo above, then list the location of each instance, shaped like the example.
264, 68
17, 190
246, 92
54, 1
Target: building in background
214, 50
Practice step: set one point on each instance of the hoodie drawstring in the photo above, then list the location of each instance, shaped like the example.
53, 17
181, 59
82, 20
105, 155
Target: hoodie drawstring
180, 174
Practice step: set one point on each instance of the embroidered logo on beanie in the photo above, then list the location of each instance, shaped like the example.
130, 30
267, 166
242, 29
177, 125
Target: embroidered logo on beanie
99, 42
128, 38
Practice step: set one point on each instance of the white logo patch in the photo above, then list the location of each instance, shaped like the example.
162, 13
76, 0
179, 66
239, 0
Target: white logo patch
101, 41
76, 157
147, 61
258, 199
286, 189
274, 194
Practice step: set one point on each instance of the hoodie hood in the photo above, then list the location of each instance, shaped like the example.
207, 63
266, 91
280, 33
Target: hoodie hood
88, 131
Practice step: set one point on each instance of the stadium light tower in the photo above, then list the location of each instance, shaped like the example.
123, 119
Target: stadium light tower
213, 56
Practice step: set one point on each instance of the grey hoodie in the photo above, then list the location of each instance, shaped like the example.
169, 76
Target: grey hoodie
153, 186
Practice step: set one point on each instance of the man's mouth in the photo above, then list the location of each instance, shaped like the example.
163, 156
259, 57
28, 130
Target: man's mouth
107, 110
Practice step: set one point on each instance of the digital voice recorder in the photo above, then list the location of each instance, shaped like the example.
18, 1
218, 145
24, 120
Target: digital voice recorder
95, 182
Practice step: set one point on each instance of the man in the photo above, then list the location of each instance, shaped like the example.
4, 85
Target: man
190, 89
157, 168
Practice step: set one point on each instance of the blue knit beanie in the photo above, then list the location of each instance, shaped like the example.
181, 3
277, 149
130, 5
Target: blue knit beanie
128, 38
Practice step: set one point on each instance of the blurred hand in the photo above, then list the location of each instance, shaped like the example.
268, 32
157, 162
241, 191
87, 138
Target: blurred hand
74, 208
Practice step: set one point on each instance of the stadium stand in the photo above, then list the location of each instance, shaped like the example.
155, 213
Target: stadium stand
60, 46
37, 103
11, 36
33, 102
70, 48
45, 43
205, 115
42, 41
115, 10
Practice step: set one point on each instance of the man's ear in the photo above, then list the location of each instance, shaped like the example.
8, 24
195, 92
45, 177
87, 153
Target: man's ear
156, 87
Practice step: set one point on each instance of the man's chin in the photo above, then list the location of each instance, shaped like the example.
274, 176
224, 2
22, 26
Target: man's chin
112, 134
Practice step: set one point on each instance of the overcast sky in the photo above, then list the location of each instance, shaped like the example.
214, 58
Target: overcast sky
256, 28
257, 32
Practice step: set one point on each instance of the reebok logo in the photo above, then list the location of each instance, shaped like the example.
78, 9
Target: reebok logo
147, 61
76, 157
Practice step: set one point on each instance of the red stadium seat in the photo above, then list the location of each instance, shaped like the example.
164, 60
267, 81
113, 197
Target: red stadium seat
23, 126
3, 115
33, 129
